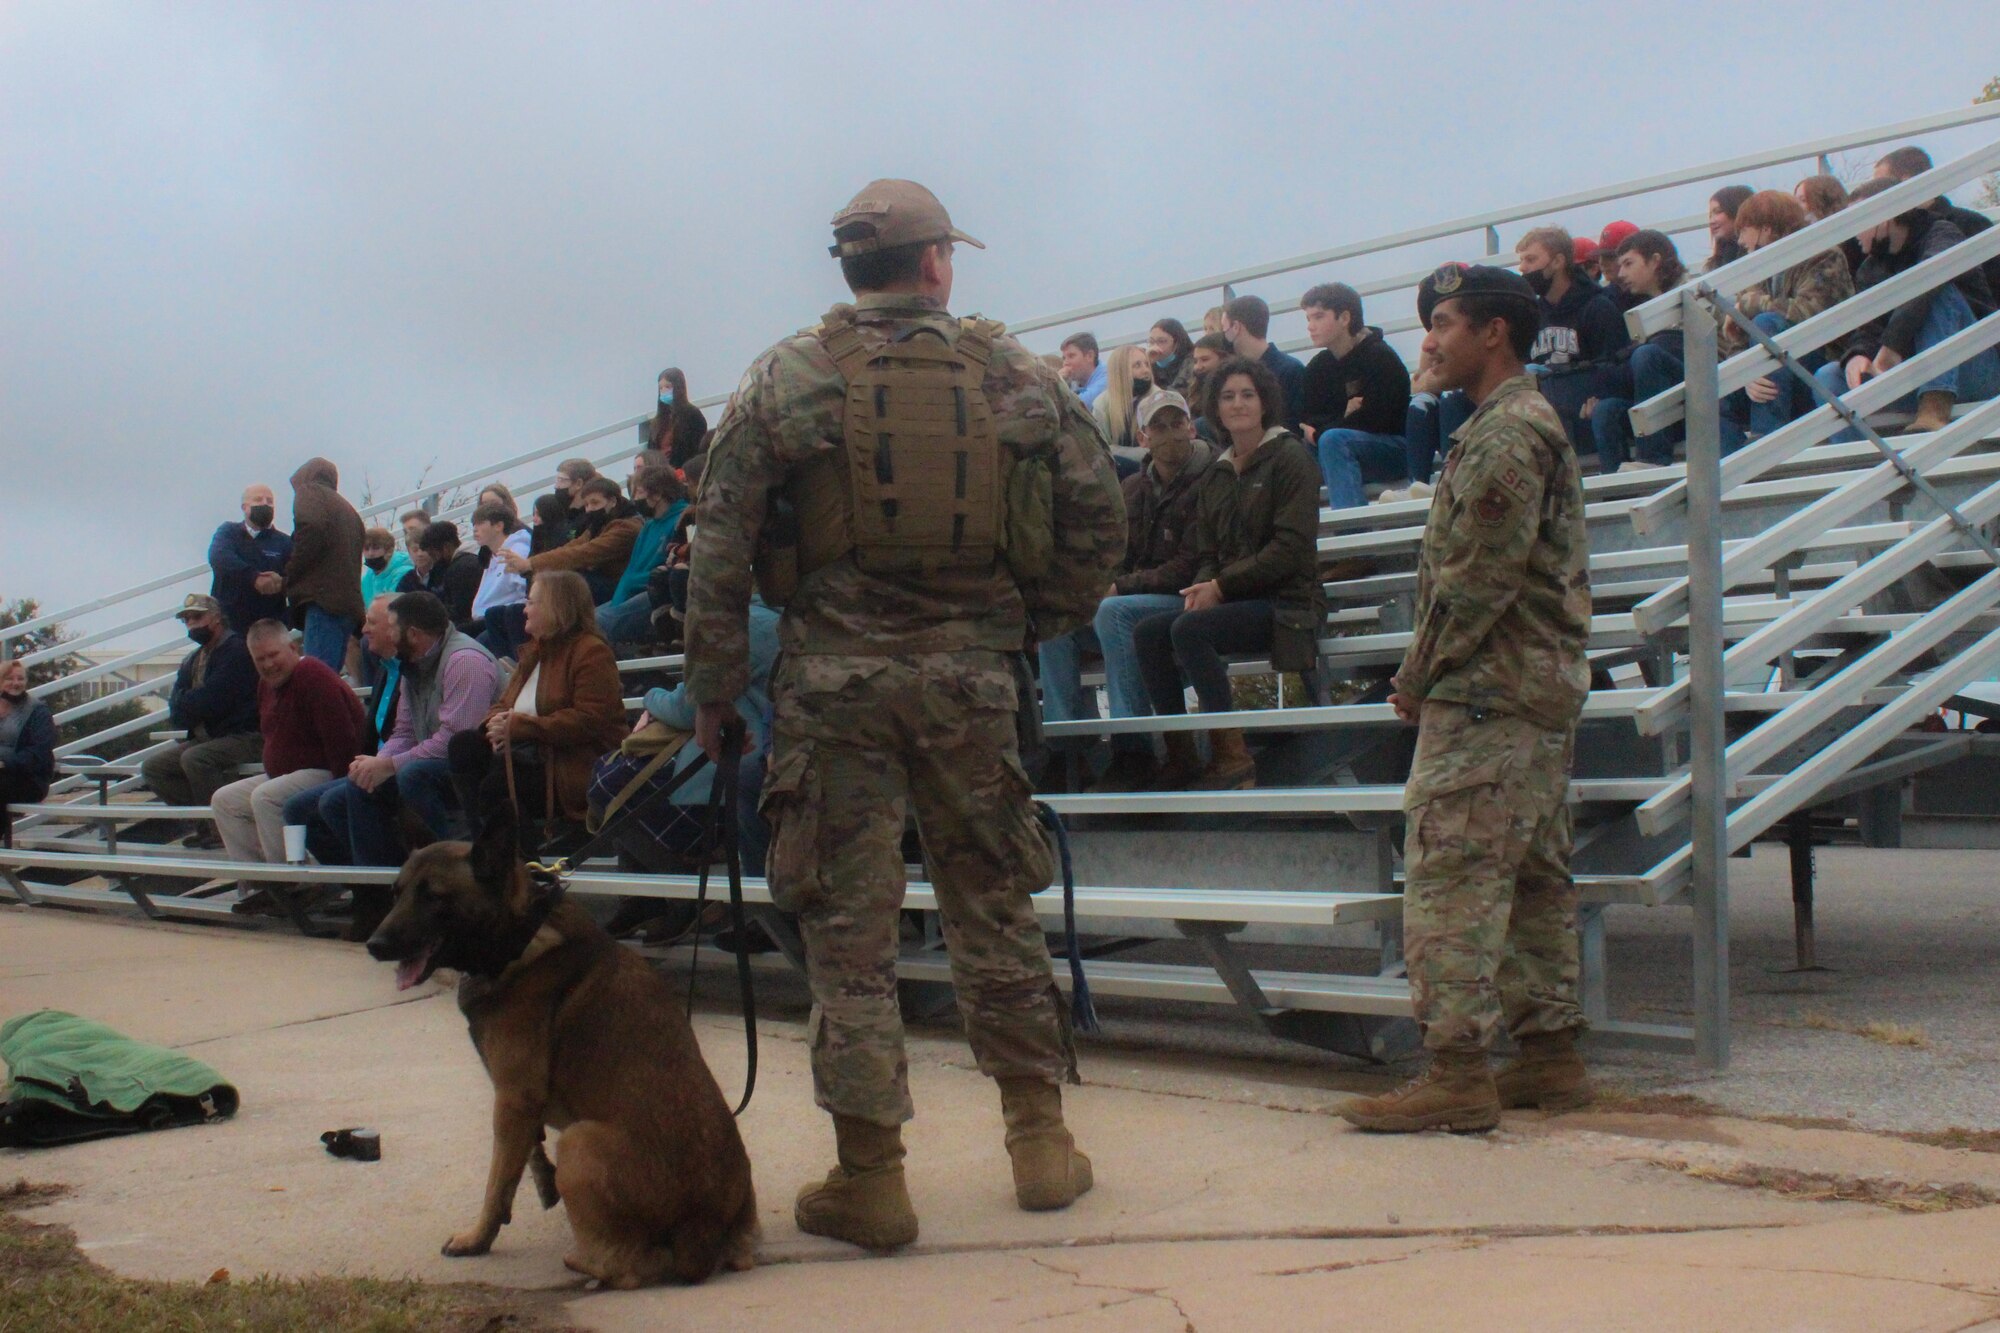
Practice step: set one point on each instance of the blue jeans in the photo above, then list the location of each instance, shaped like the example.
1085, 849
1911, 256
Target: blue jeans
1347, 458
1975, 378
629, 621
506, 629
1428, 428
1651, 371
326, 637
1568, 390
1740, 413
1063, 696
362, 825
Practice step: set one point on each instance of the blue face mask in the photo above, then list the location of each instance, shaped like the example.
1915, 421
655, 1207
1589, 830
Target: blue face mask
667, 398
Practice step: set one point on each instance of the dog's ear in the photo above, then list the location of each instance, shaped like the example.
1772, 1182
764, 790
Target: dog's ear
496, 850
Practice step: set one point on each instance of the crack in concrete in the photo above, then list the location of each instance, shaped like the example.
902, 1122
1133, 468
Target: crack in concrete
1130, 1294
307, 1022
1342, 1265
1469, 1234
1957, 1288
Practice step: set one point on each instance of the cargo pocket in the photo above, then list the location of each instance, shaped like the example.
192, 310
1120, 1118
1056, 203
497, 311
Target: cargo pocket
1295, 637
790, 805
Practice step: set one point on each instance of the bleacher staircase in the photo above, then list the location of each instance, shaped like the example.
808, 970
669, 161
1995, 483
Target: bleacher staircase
1770, 630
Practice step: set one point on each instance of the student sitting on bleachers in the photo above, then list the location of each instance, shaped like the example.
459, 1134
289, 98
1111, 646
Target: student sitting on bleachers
1724, 248
1900, 164
1648, 266
627, 615
1582, 332
1257, 583
601, 544
214, 700
454, 574
1774, 305
494, 527
382, 565
311, 724
1357, 397
1920, 323
1161, 554
27, 741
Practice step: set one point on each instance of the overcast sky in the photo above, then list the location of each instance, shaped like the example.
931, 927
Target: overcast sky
234, 236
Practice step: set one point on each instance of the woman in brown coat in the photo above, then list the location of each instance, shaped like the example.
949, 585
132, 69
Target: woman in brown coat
562, 710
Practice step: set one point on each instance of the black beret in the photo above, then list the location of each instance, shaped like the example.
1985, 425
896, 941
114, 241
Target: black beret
1451, 280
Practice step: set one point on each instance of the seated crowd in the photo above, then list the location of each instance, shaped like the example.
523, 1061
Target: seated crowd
488, 655
1223, 509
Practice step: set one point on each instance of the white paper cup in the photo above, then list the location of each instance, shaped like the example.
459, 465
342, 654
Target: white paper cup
295, 843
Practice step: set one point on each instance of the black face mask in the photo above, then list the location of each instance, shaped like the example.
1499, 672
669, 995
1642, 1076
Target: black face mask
201, 634
1140, 388
593, 523
1879, 247
261, 516
378, 563
1541, 280
14, 696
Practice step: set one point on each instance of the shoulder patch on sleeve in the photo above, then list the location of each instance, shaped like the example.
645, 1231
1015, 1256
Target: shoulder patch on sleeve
1494, 506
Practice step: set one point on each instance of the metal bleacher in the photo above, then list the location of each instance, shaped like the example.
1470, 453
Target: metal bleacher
1769, 629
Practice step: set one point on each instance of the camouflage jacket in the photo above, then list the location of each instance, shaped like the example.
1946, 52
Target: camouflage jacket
1799, 293
1503, 583
790, 408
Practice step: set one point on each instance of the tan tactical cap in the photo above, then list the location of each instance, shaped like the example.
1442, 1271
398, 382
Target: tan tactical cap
198, 604
901, 212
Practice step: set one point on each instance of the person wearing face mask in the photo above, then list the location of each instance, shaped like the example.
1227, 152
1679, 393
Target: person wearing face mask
1171, 351
27, 741
1582, 332
247, 558
214, 700
382, 565
572, 474
627, 616
1160, 554
447, 684
677, 429
454, 572
1129, 379
601, 546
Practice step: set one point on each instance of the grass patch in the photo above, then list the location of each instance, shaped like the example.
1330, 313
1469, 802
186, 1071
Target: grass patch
46, 1283
1971, 1140
1822, 1187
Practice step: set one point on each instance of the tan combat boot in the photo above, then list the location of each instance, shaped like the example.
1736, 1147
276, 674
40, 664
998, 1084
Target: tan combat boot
1183, 764
1548, 1073
1455, 1093
1049, 1172
1230, 767
862, 1201
1933, 410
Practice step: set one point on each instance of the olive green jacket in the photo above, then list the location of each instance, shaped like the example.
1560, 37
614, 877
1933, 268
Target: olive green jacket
1259, 538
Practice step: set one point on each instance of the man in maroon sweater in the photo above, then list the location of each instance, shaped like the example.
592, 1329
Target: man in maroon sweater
312, 726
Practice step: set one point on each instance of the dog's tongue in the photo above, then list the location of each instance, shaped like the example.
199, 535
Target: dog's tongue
411, 970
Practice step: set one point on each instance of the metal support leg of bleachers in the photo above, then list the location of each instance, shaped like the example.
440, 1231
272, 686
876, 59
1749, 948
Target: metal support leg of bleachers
1363, 1036
1799, 841
1709, 891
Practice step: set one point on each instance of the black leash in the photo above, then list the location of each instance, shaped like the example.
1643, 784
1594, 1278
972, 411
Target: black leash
722, 824
1082, 1012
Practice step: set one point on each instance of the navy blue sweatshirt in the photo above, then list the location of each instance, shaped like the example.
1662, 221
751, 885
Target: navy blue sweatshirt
225, 703
1582, 329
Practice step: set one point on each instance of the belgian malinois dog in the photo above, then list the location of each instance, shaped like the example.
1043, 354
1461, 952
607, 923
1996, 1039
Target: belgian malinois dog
579, 1034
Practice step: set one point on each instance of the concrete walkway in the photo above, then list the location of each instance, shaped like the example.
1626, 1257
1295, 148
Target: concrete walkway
1226, 1199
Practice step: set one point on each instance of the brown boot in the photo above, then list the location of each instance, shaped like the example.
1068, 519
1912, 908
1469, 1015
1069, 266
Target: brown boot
1183, 764
1049, 1172
1548, 1073
1455, 1093
1230, 767
1933, 410
864, 1200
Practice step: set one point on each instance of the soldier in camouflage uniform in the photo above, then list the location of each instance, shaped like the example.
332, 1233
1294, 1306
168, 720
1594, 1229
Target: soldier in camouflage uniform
1495, 678
896, 690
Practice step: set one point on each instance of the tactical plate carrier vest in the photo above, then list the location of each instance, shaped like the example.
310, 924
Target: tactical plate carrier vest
924, 483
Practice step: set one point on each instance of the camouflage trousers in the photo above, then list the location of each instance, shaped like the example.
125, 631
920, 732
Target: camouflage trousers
860, 743
1489, 908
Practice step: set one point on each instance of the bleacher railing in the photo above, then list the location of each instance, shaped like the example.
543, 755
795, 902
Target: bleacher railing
1922, 653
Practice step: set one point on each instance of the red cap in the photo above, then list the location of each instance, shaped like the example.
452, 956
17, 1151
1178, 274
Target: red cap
1614, 234
1583, 249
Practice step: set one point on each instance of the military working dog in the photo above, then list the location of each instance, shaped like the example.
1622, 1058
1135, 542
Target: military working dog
578, 1034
